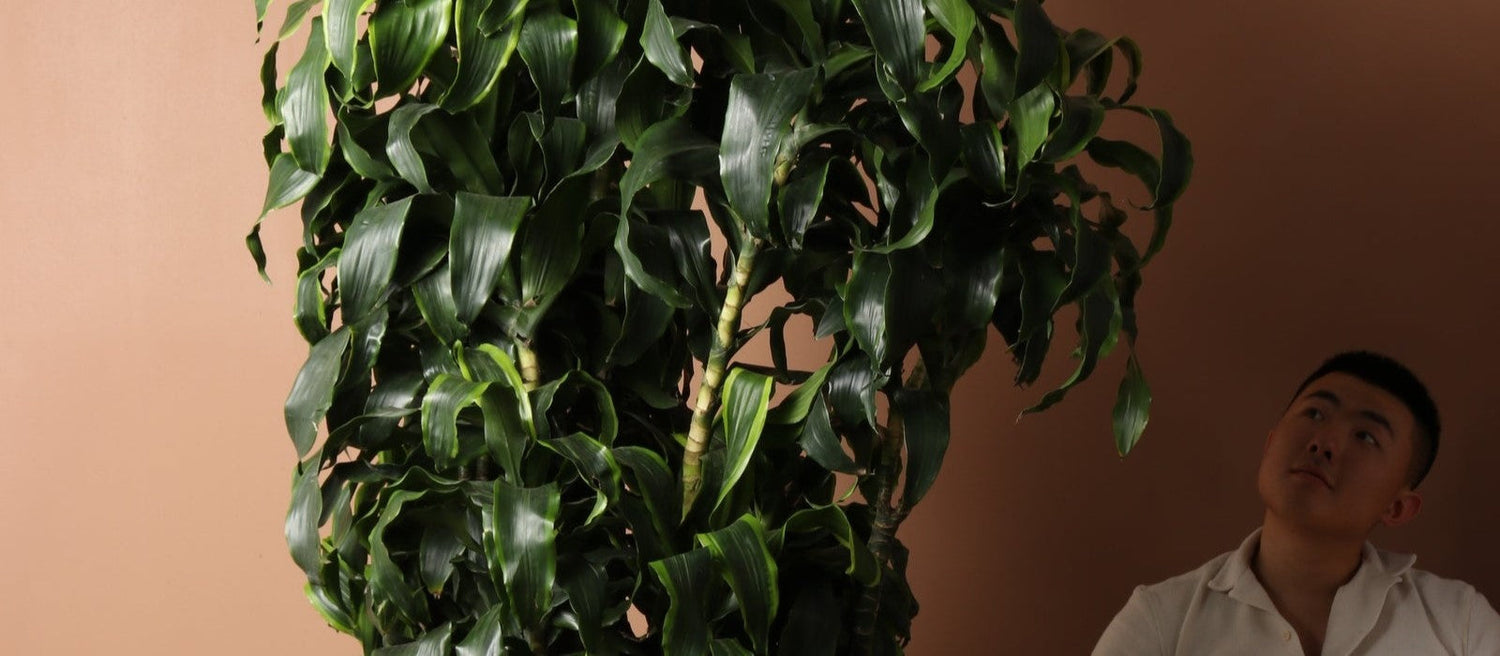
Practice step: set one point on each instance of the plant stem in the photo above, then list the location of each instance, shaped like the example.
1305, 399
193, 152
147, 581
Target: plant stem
888, 517
531, 371
713, 375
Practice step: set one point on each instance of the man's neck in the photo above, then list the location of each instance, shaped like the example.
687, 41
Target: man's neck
1302, 573
1300, 563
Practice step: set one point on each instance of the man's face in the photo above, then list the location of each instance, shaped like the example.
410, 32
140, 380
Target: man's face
1336, 463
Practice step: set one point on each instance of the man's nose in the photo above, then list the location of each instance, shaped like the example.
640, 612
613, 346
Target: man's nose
1322, 446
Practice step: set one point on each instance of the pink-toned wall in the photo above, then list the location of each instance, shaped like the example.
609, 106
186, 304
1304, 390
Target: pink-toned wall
1344, 196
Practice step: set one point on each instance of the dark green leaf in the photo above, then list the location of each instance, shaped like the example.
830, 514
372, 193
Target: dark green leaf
370, 257
1097, 313
806, 631
457, 142
484, 227
1030, 117
743, 556
484, 636
295, 13
925, 414
303, 105
1039, 46
822, 443
260, 13
800, 11
1081, 118
302, 520
585, 584
851, 390
761, 108
669, 148
686, 577
662, 48
896, 31
524, 535
341, 25
551, 243
312, 392
1176, 159
794, 408
310, 311
831, 520
645, 252
728, 647
268, 87
549, 44
359, 158
799, 200
440, 407
288, 184
1132, 408
655, 483
601, 32
957, 17
401, 150
437, 642
480, 57
865, 303
404, 35
497, 14
387, 582
1128, 157
746, 398
440, 545
434, 296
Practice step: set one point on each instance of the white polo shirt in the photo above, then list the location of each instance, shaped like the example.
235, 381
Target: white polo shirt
1387, 609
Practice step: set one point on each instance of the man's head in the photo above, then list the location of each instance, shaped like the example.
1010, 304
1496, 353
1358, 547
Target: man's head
1358, 436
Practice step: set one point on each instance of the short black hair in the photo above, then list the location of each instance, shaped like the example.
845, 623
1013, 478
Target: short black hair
1393, 377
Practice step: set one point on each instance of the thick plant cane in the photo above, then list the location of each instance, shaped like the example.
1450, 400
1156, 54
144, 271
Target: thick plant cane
713, 375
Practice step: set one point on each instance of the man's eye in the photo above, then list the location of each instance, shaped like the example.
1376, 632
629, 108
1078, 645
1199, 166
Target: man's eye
1367, 436
1313, 413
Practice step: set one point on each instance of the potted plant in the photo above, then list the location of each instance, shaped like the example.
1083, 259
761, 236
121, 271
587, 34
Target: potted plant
524, 425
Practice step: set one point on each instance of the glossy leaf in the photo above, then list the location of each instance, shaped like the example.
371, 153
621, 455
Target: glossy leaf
312, 392
1031, 116
865, 303
549, 44
832, 521
662, 48
1177, 158
404, 35
796, 406
386, 579
925, 415
896, 31
686, 578
438, 549
799, 201
822, 443
761, 107
340, 20
369, 258
484, 228
401, 150
1132, 408
669, 148
302, 521
526, 552
1038, 46
742, 555
440, 407
433, 294
437, 642
957, 17
480, 57
746, 398
288, 184
601, 32
550, 245
640, 246
1097, 312
484, 637
303, 106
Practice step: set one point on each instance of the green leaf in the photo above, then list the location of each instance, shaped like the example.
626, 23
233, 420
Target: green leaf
484, 637
525, 533
1081, 118
268, 88
549, 45
761, 108
1132, 408
644, 250
728, 647
865, 303
1031, 117
437, 642
741, 552
260, 13
686, 577
457, 142
670, 148
831, 520
655, 483
295, 13
662, 48
400, 149
794, 408
851, 389
369, 258
925, 414
312, 392
601, 32
484, 228
440, 406
806, 631
586, 584
480, 57
568, 386
310, 312
897, 32
1038, 46
1176, 159
387, 582
552, 242
358, 157
957, 17
800, 11
303, 105
440, 545
799, 200
496, 14
746, 398
340, 20
1097, 313
302, 520
434, 296
288, 184
404, 35
822, 443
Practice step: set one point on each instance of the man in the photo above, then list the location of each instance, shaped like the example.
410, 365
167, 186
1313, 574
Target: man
1346, 456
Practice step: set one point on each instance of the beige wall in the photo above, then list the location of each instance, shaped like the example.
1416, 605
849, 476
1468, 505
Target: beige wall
1342, 198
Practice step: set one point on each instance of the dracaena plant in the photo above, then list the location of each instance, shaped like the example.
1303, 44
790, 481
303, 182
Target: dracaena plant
525, 423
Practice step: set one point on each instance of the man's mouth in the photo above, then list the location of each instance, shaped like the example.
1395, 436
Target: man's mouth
1315, 473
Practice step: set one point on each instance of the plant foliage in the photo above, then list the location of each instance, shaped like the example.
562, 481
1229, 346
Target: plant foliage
506, 284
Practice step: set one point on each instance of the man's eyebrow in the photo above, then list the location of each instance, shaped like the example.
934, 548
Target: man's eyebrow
1368, 414
1325, 395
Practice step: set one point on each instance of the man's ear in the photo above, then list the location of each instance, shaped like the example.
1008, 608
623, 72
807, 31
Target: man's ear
1403, 508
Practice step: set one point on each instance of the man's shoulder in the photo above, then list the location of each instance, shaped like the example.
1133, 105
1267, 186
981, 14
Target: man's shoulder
1189, 583
1434, 588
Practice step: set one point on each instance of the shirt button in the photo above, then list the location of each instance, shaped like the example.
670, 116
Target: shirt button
1286, 636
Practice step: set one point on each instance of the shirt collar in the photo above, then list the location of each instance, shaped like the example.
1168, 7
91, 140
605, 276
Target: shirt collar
1378, 571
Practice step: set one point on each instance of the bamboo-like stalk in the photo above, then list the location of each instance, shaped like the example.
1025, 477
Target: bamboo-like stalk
713, 375
888, 517
531, 370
